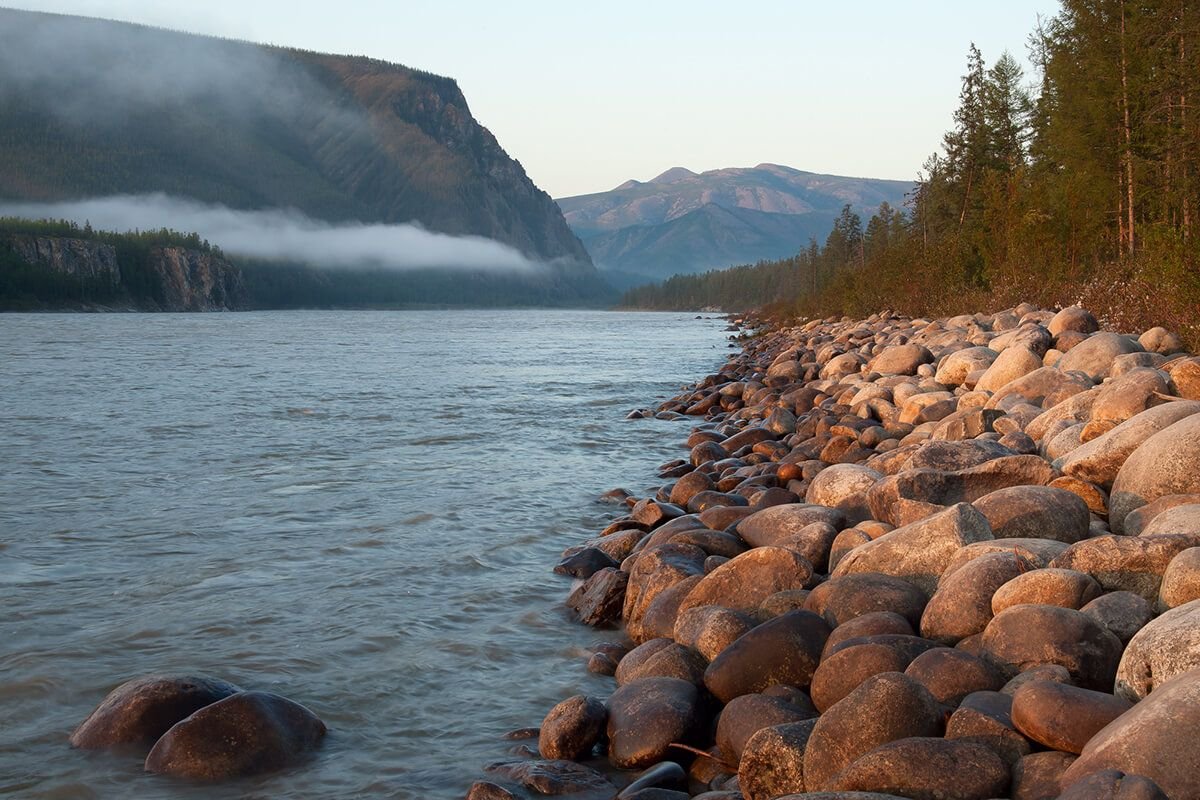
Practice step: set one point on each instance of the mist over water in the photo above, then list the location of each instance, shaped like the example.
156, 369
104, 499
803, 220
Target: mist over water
360, 511
285, 234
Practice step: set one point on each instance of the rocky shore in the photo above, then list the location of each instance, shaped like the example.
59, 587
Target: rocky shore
950, 559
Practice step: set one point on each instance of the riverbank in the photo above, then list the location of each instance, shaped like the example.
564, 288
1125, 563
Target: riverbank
921, 558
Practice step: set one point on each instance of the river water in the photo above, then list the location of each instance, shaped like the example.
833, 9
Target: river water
357, 510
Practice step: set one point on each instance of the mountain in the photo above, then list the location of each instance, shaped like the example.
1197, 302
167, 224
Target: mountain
92, 108
684, 222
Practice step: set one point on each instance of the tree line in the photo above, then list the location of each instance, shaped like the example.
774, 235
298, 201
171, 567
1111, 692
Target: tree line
1076, 184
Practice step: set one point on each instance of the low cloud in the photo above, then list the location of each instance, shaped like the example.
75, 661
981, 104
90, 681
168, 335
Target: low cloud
285, 234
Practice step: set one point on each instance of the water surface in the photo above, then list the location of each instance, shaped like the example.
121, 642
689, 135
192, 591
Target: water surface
358, 510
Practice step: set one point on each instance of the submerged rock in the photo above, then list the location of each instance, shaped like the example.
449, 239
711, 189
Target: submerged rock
140, 711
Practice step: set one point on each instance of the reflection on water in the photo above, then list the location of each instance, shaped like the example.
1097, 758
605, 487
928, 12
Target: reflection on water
357, 510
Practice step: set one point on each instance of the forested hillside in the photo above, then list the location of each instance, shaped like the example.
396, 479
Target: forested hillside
1084, 189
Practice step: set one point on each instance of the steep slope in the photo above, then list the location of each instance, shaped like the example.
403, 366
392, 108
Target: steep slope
638, 231
92, 108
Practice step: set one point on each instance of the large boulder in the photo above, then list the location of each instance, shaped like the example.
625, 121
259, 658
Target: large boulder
772, 763
247, 733
1073, 318
1063, 717
950, 674
784, 650
1026, 636
962, 604
918, 553
745, 716
1012, 363
1045, 387
985, 717
139, 711
1035, 512
646, 716
1166, 463
1155, 739
1047, 587
1099, 460
742, 583
882, 709
1167, 646
844, 669
777, 523
1094, 356
1126, 563
572, 728
846, 597
954, 368
844, 486
710, 629
1036, 775
901, 359
1181, 581
1123, 613
918, 493
927, 767
656, 570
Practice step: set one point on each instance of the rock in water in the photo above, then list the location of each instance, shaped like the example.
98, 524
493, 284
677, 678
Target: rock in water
245, 734
572, 728
141, 710
646, 716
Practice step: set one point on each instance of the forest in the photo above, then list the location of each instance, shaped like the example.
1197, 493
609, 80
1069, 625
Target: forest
1076, 184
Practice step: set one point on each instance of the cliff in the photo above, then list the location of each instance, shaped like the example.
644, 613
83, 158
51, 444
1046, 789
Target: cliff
93, 108
63, 272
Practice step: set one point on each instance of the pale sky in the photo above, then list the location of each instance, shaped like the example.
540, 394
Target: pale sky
588, 95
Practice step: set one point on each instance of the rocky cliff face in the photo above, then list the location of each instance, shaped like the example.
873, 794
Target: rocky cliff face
194, 281
76, 257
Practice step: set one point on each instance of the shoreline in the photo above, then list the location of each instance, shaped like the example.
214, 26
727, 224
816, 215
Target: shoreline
784, 602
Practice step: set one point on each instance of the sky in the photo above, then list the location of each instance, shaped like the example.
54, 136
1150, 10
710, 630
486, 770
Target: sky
588, 95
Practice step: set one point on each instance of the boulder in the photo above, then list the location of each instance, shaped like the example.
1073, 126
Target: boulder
772, 763
882, 709
1045, 387
1112, 784
1161, 340
951, 456
962, 604
1035, 512
689, 486
656, 570
1038, 552
710, 629
927, 767
845, 597
950, 675
1123, 613
1099, 460
877, 623
1063, 717
1036, 776
784, 650
1181, 581
1073, 318
646, 716
572, 728
661, 658
1155, 739
954, 368
1140, 519
1047, 587
918, 493
141, 710
598, 601
552, 777
843, 669
745, 716
1166, 463
844, 486
918, 553
1126, 563
985, 718
777, 523
1165, 647
742, 583
1130, 394
901, 359
1012, 363
1026, 636
247, 733
1094, 356
1183, 518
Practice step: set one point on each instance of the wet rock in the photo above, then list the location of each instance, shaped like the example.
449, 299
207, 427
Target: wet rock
665, 776
918, 553
784, 650
1155, 739
586, 563
777, 523
1165, 647
599, 600
689, 486
656, 570
139, 711
882, 709
1111, 784
1126, 563
1094, 357
950, 675
1036, 776
486, 790
962, 604
653, 513
844, 486
247, 733
844, 668
1025, 636
1035, 512
927, 767
1063, 717
715, 543
668, 660
1047, 587
845, 597
1099, 460
986, 718
646, 716
551, 777
572, 728
744, 582
746, 715
1123, 613
772, 763
1166, 463
710, 629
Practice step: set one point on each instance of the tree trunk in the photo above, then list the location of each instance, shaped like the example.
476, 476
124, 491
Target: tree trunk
1128, 150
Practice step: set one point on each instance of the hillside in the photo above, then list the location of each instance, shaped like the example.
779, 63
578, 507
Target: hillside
92, 108
683, 222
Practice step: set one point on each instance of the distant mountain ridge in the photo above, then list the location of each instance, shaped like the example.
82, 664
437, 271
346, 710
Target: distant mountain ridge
92, 108
645, 231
